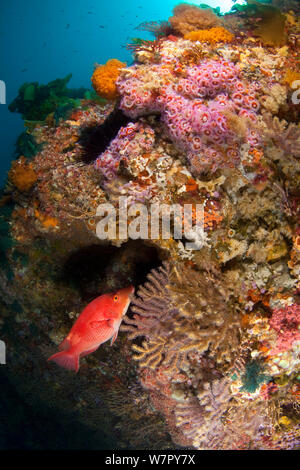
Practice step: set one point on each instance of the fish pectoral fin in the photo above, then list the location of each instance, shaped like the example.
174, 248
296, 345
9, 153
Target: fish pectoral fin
96, 325
114, 337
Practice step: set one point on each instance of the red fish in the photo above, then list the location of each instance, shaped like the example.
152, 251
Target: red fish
97, 323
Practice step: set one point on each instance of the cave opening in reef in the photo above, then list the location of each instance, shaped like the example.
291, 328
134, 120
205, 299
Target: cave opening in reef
97, 269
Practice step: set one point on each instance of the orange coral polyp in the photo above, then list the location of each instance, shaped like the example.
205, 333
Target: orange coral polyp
212, 35
45, 220
104, 78
291, 76
22, 174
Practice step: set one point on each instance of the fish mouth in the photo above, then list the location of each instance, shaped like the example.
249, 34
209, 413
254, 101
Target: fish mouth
127, 291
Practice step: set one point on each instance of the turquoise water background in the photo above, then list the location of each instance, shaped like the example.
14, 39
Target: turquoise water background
45, 40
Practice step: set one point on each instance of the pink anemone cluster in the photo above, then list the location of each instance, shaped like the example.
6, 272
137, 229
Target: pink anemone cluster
131, 140
286, 322
198, 110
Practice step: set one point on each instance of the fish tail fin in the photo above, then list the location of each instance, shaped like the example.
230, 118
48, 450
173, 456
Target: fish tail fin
66, 359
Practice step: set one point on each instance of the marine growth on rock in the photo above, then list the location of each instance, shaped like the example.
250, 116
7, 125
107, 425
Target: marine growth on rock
207, 114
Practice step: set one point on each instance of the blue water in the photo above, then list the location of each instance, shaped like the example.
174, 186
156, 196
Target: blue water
42, 40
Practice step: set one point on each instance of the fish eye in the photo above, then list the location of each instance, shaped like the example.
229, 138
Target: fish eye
116, 298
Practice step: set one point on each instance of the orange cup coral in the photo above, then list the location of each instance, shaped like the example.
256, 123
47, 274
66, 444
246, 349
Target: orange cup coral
104, 78
212, 35
291, 76
22, 175
47, 221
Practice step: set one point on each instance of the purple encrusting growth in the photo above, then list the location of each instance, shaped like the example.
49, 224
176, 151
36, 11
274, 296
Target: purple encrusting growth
131, 140
198, 111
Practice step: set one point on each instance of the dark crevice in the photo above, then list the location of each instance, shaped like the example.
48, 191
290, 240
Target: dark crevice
97, 269
22, 425
96, 139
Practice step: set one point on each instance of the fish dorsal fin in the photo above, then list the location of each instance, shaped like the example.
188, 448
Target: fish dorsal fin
96, 325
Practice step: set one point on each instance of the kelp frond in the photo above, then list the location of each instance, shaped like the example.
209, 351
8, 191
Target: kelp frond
267, 21
158, 28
